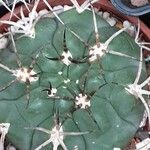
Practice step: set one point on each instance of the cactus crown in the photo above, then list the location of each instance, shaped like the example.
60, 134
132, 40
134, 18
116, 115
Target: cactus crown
71, 82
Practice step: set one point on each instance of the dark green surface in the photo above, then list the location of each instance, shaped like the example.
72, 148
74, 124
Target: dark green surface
114, 115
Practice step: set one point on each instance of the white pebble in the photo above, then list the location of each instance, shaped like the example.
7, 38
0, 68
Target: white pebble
132, 31
58, 9
144, 145
11, 148
106, 15
66, 7
111, 21
3, 42
43, 12
100, 13
126, 24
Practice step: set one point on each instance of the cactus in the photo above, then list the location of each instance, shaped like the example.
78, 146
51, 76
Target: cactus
73, 85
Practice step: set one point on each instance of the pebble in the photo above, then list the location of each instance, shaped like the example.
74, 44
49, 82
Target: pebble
106, 15
111, 21
3, 41
66, 7
100, 13
11, 148
58, 9
131, 31
43, 12
126, 24
143, 145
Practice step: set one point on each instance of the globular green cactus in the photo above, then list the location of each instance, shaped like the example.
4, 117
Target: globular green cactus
69, 89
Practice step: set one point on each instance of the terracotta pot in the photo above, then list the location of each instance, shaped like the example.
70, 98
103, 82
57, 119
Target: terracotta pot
104, 5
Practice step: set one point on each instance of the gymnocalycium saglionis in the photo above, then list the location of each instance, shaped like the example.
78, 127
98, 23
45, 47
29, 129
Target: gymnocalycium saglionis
70, 81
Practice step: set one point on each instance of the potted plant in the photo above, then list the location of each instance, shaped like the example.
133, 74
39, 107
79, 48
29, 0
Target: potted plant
70, 80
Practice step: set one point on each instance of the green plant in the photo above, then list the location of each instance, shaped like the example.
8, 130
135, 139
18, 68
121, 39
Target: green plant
73, 84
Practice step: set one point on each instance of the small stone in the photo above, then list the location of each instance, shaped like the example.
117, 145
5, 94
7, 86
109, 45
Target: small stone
66, 7
3, 41
143, 145
58, 9
111, 21
100, 13
106, 15
43, 12
11, 148
132, 31
126, 24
